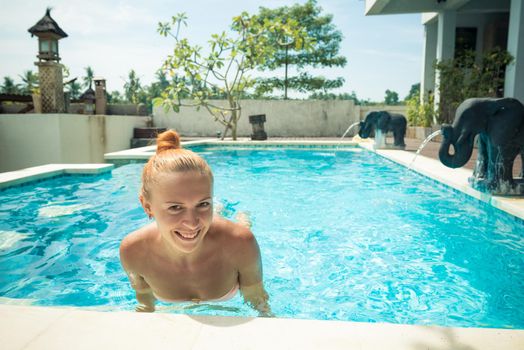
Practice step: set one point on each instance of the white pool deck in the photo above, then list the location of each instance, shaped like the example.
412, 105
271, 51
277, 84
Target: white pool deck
32, 327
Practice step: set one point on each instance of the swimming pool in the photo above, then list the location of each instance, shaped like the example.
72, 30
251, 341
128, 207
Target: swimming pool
345, 235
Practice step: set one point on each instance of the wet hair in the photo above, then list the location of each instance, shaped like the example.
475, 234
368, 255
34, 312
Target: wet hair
170, 157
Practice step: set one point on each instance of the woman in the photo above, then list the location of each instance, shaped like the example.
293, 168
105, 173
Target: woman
187, 253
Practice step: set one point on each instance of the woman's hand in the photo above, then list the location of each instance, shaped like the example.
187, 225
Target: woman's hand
257, 297
146, 301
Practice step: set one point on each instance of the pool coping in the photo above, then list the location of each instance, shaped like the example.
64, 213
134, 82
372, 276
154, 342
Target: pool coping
34, 327
22, 176
454, 178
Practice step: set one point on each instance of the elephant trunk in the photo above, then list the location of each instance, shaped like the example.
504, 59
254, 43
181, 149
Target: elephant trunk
363, 131
462, 143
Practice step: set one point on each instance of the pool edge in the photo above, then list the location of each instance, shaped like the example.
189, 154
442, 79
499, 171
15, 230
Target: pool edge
32, 327
455, 178
23, 176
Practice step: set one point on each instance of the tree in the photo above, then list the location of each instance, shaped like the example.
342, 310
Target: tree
391, 97
155, 89
132, 87
224, 70
331, 96
30, 82
414, 91
115, 97
88, 79
159, 85
9, 86
325, 52
74, 89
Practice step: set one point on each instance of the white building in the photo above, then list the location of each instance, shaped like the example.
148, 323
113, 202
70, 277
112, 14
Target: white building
481, 25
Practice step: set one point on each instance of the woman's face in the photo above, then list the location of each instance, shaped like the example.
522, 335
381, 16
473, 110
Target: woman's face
182, 206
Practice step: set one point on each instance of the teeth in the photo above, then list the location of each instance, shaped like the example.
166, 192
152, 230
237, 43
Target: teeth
188, 235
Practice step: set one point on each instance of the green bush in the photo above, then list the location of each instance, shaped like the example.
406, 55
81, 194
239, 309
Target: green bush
463, 77
420, 114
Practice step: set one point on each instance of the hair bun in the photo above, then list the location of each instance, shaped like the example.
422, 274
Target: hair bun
167, 140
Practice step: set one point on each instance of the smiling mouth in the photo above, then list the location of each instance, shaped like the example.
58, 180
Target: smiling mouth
187, 236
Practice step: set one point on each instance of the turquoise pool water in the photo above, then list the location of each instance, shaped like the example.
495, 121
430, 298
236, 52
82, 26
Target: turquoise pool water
344, 235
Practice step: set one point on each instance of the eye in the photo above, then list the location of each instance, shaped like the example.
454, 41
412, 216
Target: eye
175, 207
204, 204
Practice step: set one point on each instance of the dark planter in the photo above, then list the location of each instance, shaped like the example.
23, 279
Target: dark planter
147, 133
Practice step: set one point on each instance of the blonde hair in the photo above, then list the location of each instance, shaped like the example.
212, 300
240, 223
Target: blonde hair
170, 157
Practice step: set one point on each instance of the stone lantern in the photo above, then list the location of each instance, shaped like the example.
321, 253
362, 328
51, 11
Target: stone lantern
89, 99
49, 68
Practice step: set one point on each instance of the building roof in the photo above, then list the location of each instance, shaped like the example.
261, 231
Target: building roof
388, 7
47, 25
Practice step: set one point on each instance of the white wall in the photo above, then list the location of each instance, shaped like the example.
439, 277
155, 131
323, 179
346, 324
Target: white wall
290, 118
28, 140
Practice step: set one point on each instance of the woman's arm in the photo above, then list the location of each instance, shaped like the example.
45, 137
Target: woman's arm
144, 294
250, 274
257, 297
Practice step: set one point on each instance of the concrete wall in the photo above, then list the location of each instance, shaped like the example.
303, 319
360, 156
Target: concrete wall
12, 108
28, 140
310, 118
113, 109
364, 110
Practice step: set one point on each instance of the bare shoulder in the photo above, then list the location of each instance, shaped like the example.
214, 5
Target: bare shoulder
134, 247
239, 233
238, 240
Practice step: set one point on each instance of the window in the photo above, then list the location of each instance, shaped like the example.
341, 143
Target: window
465, 40
44, 46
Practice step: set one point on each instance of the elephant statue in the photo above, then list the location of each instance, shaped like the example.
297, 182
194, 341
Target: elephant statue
499, 124
382, 122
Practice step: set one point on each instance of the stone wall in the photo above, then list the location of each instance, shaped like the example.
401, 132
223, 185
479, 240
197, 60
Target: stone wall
290, 118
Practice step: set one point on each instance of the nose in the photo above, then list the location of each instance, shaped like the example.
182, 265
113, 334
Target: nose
191, 220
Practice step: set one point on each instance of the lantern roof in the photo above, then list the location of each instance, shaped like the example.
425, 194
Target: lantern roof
89, 94
47, 25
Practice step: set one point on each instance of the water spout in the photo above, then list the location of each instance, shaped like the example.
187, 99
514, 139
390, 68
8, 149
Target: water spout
347, 130
345, 133
380, 139
423, 144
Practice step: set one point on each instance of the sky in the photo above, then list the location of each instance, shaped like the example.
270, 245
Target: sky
113, 37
